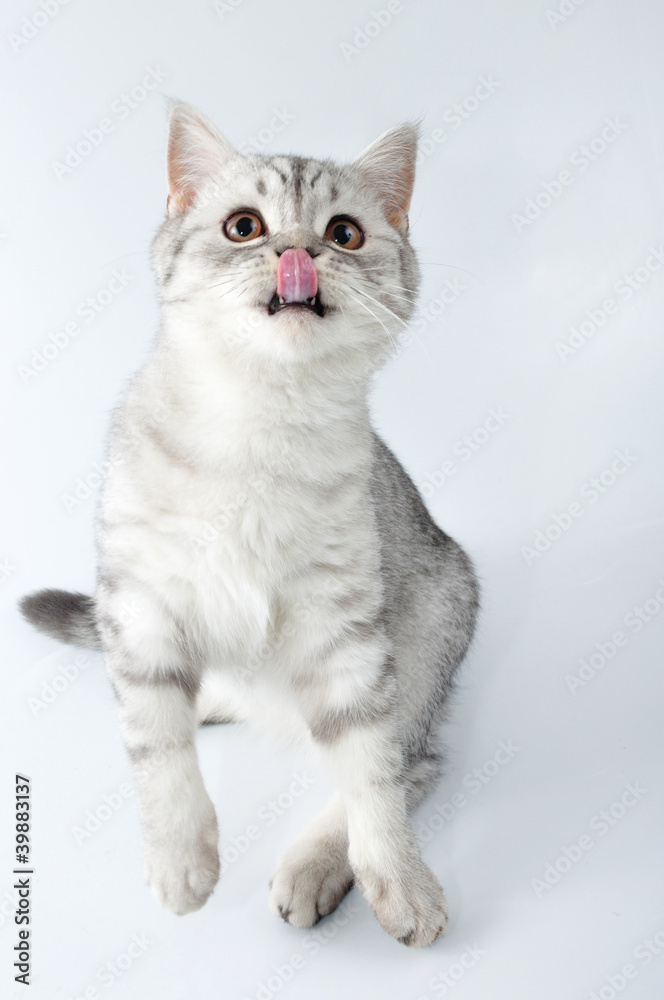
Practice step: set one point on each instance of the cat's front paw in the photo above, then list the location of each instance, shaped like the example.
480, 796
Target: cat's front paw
410, 907
309, 883
183, 868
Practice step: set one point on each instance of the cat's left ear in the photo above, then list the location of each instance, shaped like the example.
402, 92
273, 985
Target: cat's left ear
388, 165
197, 153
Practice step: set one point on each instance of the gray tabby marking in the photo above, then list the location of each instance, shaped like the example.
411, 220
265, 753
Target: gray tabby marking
283, 281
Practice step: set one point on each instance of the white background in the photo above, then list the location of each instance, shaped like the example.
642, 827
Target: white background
516, 288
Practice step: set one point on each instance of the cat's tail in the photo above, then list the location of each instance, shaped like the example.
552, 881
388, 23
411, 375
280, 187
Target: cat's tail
63, 615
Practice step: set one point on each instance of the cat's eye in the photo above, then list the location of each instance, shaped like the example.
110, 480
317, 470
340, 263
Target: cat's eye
244, 226
345, 233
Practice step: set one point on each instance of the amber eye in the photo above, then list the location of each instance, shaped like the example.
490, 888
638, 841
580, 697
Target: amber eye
345, 233
244, 226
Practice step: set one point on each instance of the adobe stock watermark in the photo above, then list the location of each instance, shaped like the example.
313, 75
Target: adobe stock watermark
563, 12
364, 34
623, 290
7, 569
300, 614
589, 493
224, 7
579, 160
8, 905
643, 955
427, 313
606, 650
457, 115
87, 486
214, 187
209, 531
120, 109
464, 449
110, 972
600, 824
473, 782
281, 118
267, 816
247, 326
95, 818
88, 309
448, 978
36, 22
274, 982
51, 690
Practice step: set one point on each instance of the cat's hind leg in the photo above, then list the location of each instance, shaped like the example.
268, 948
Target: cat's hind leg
425, 766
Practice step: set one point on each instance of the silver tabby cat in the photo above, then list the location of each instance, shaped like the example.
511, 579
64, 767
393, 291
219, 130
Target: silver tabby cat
263, 556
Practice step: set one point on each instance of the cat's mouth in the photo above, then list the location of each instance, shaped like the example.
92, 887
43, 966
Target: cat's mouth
278, 304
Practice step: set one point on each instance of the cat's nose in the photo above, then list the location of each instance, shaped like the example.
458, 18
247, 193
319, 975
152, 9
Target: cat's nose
297, 280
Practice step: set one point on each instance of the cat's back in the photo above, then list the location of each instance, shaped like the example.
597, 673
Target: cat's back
431, 593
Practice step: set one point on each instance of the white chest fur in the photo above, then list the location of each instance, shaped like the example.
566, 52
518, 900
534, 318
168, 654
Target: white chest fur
237, 516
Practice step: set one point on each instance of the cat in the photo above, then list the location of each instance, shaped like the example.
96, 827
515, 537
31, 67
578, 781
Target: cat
263, 556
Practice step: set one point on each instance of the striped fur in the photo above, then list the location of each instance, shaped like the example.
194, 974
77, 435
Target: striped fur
263, 554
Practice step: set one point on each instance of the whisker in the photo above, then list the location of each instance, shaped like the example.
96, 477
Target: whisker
391, 338
215, 260
401, 288
364, 269
232, 281
402, 293
436, 263
381, 304
406, 326
224, 281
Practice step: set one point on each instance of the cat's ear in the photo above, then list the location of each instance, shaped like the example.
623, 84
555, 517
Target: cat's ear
197, 152
388, 165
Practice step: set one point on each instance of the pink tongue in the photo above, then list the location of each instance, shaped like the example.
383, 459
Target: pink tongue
297, 280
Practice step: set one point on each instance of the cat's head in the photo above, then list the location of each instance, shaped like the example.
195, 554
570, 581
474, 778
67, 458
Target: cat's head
281, 261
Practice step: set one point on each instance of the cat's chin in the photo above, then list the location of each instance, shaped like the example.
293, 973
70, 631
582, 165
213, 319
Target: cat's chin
296, 326
295, 334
